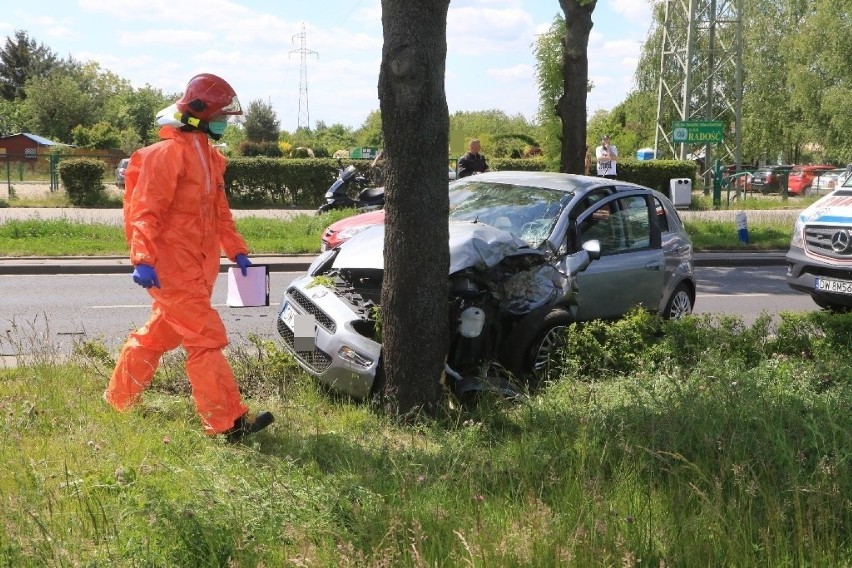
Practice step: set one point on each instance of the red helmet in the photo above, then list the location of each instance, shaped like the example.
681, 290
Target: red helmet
207, 96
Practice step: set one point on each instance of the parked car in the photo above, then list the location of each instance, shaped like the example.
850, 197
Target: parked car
339, 232
819, 261
119, 172
801, 178
530, 252
828, 181
768, 179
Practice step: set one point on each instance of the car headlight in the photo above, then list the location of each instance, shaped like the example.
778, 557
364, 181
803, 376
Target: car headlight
798, 230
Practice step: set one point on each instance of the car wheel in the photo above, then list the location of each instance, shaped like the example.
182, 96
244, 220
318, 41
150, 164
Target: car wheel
830, 306
805, 190
529, 348
680, 304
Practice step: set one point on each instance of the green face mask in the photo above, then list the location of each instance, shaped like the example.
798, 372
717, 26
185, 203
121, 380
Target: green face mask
217, 127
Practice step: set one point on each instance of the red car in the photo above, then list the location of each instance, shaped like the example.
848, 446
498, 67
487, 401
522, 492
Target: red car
337, 233
802, 178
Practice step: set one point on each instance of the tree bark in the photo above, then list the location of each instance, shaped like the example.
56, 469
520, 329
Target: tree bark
571, 107
415, 125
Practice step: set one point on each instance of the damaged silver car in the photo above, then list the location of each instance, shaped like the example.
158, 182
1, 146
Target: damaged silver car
530, 253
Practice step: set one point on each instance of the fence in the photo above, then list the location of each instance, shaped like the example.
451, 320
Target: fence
42, 167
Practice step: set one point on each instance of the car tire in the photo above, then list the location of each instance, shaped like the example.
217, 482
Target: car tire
680, 304
830, 306
532, 342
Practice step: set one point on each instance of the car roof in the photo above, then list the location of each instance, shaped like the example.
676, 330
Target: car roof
571, 183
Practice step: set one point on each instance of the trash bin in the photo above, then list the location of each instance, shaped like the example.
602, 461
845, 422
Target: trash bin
680, 190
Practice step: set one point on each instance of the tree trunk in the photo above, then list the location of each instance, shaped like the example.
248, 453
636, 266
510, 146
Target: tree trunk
415, 125
571, 107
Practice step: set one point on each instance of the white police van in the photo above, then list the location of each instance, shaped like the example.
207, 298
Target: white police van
819, 261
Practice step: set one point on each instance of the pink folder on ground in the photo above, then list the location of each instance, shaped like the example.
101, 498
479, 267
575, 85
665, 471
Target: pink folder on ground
251, 290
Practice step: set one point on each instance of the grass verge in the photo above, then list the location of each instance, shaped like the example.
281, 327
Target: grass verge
67, 237
697, 442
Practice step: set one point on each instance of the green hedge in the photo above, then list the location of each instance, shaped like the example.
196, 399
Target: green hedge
283, 181
83, 180
655, 173
303, 182
516, 164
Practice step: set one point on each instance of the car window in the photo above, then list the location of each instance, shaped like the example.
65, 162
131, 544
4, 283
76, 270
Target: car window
529, 213
621, 225
662, 216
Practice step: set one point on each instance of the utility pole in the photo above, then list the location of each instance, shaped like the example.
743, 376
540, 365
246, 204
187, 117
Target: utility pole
304, 118
701, 76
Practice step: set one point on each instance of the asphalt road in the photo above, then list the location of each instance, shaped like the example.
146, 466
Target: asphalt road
51, 312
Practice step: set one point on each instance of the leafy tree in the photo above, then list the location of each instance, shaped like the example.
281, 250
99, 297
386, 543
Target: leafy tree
55, 104
101, 136
333, 138
370, 133
548, 54
12, 118
631, 123
21, 59
499, 133
141, 107
413, 107
262, 124
820, 72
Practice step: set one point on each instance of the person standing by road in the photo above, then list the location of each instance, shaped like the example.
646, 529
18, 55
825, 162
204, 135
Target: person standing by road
177, 221
472, 162
607, 158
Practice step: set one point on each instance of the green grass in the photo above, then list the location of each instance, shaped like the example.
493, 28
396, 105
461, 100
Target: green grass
769, 234
751, 201
65, 237
702, 442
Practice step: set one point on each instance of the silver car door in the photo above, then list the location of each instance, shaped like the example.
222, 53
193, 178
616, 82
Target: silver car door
631, 268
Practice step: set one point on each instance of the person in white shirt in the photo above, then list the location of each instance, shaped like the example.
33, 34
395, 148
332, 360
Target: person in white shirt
607, 156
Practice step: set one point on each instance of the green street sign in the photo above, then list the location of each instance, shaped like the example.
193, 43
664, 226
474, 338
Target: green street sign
708, 131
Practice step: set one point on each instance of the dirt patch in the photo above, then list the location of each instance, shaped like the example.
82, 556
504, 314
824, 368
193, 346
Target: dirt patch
35, 190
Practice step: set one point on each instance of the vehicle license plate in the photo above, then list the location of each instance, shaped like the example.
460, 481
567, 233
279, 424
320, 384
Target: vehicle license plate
288, 316
834, 286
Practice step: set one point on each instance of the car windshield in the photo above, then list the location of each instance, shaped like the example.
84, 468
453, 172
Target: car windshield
529, 213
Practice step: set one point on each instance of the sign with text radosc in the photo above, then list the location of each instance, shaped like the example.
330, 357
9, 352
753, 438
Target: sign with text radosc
706, 131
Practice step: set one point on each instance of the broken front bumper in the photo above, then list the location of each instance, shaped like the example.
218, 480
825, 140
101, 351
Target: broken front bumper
331, 350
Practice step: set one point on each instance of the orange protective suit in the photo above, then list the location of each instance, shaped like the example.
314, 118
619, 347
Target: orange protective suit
177, 219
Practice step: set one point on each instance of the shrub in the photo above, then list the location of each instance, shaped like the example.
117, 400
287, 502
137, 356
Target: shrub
83, 179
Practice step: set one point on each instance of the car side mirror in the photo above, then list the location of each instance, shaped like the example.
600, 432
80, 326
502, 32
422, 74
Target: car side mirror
593, 248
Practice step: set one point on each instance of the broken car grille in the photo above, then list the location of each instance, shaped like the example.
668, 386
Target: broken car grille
318, 360
308, 306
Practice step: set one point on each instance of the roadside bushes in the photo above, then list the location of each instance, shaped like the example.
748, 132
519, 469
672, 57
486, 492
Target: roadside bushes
83, 179
263, 180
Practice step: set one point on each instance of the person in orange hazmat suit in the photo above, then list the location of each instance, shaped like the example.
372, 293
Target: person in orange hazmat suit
177, 221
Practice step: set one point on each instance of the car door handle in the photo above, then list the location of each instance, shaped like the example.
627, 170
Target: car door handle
653, 265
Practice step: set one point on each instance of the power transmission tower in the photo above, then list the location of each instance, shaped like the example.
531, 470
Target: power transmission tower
701, 75
304, 118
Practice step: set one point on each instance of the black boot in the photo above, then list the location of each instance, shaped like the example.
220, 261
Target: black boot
246, 424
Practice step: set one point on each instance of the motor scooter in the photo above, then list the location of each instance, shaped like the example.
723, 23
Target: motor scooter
350, 179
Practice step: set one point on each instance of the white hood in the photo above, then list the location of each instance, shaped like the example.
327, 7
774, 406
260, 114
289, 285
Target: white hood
472, 245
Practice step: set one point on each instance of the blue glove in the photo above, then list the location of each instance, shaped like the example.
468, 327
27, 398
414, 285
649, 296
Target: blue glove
243, 262
145, 276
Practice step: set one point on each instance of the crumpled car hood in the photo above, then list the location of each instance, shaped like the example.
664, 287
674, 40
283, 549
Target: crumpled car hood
472, 245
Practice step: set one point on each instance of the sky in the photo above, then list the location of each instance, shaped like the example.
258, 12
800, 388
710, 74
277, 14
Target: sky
255, 45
